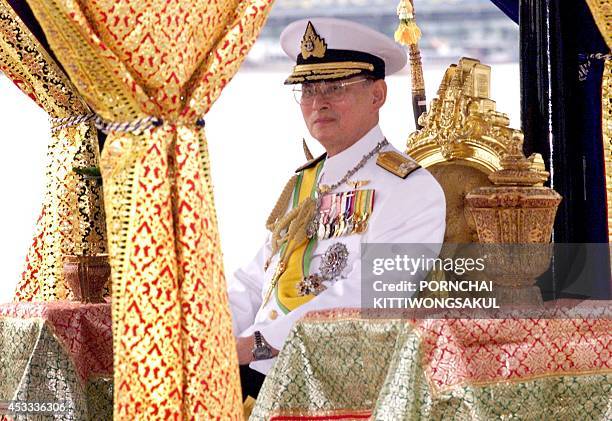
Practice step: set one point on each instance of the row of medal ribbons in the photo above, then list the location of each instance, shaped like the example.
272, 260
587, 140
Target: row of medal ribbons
344, 213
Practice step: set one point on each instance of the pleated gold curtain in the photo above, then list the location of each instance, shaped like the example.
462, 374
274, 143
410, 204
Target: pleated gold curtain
72, 215
151, 69
602, 14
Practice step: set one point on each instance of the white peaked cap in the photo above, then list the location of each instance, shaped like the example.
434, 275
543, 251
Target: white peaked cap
342, 49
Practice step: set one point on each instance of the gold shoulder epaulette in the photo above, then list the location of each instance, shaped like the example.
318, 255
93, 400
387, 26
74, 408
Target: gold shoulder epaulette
396, 163
311, 163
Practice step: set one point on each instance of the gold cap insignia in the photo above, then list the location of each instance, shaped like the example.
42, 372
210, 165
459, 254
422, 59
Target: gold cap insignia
312, 44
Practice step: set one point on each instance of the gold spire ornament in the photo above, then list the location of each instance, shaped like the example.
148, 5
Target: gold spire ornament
307, 152
407, 33
312, 44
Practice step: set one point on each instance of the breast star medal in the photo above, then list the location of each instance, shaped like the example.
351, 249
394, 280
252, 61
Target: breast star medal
332, 264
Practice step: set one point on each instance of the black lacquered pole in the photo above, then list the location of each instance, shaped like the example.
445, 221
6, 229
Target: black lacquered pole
419, 100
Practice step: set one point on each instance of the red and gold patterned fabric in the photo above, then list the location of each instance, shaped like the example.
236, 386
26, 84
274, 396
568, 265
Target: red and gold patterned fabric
72, 216
175, 355
338, 365
84, 330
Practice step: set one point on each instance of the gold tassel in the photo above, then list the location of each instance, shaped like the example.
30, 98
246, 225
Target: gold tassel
407, 33
292, 228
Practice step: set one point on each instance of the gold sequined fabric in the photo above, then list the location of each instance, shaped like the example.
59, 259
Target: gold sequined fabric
72, 216
606, 127
173, 302
602, 14
175, 355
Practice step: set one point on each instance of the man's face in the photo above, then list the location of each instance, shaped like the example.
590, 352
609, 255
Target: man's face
339, 113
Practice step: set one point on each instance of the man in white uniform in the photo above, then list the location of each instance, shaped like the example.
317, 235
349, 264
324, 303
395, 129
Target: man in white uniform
361, 191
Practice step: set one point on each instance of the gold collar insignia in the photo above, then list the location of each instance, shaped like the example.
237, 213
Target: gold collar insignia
312, 44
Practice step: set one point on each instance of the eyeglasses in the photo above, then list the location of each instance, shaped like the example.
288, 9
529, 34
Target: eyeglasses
332, 91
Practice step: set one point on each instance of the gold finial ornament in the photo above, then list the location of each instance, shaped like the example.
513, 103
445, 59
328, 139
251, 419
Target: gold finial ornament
407, 33
518, 170
312, 44
462, 122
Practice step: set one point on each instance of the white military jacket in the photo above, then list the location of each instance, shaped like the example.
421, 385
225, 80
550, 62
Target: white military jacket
410, 210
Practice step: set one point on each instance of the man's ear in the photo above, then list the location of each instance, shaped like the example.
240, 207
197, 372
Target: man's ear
379, 93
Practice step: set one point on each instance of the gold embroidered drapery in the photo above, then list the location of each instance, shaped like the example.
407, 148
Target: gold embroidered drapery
602, 14
174, 350
72, 215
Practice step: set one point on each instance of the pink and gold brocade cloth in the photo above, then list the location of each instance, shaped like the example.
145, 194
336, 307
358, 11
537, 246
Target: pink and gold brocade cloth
59, 351
336, 365
85, 331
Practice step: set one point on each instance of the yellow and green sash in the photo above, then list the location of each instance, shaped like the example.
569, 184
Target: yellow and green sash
298, 264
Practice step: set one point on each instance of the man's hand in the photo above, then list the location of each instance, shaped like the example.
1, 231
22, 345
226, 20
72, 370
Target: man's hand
245, 349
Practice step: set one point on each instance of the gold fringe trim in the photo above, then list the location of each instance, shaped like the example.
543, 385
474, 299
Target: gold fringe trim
320, 71
327, 72
336, 65
606, 131
324, 76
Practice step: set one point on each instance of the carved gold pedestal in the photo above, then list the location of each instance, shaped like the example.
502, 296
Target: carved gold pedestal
514, 221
